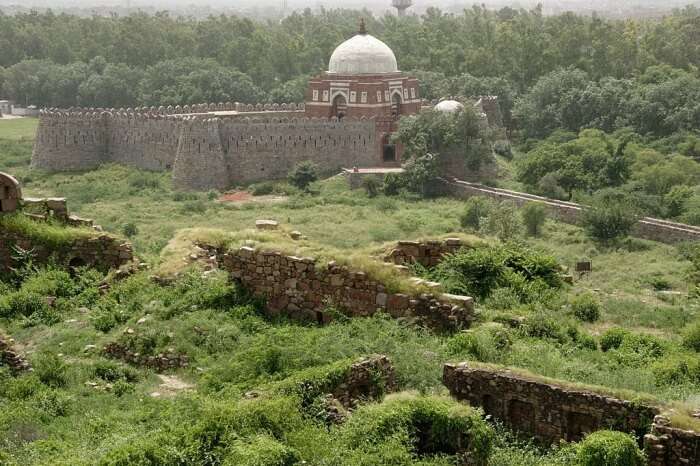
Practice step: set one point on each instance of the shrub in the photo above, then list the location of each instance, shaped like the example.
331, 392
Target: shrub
475, 209
393, 183
22, 303
50, 282
691, 337
431, 425
504, 222
262, 189
676, 370
542, 326
303, 174
609, 218
50, 369
613, 338
503, 149
371, 186
261, 450
586, 307
534, 216
609, 448
130, 230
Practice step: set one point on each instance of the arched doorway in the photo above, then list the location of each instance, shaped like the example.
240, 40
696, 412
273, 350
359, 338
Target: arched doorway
396, 101
340, 107
10, 193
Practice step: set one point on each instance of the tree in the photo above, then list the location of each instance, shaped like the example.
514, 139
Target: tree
303, 174
534, 216
610, 217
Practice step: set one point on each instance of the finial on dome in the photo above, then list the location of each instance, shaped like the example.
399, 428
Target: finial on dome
363, 28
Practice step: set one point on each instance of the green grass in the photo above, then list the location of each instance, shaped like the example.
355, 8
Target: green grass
50, 234
235, 353
22, 129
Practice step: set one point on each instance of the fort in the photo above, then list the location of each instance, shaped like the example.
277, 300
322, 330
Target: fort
347, 120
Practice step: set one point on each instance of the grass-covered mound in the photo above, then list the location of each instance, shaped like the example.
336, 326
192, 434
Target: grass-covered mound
53, 236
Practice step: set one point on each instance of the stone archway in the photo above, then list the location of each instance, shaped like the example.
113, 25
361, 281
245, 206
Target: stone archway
340, 106
396, 101
10, 193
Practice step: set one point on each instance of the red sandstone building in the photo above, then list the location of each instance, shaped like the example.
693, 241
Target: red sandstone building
363, 80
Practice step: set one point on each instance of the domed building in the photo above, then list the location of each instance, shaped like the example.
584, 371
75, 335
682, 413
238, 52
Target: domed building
363, 80
449, 106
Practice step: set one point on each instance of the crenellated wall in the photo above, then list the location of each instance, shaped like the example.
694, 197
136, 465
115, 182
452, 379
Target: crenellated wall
231, 144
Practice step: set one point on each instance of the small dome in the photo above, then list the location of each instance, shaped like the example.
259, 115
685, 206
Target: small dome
449, 106
363, 54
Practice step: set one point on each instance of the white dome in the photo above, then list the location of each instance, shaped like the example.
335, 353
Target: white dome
363, 54
449, 106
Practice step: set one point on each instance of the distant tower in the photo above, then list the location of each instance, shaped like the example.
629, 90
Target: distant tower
401, 6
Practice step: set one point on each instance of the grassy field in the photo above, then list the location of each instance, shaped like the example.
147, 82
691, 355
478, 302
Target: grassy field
22, 129
642, 287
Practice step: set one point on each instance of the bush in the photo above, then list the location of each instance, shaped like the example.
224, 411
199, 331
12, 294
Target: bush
431, 425
475, 209
609, 448
393, 183
130, 230
261, 450
534, 216
609, 218
303, 174
613, 338
504, 222
50, 282
50, 369
586, 307
22, 303
542, 326
262, 189
503, 149
691, 337
676, 370
371, 186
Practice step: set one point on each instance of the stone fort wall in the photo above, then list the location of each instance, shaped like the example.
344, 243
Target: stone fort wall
207, 147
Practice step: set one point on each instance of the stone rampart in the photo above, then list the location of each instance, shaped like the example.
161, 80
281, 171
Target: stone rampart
569, 212
426, 253
303, 289
667, 446
204, 150
546, 411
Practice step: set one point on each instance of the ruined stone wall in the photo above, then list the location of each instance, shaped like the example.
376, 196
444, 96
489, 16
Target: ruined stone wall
569, 212
667, 446
426, 253
546, 411
302, 289
10, 358
100, 251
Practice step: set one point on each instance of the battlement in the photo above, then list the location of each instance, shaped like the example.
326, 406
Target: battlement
181, 109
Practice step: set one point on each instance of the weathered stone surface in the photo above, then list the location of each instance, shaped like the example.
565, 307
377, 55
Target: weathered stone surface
427, 253
10, 358
266, 224
669, 446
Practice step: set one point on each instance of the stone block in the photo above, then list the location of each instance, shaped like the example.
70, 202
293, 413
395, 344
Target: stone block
266, 224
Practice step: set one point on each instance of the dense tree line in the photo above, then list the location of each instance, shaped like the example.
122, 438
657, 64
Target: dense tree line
50, 59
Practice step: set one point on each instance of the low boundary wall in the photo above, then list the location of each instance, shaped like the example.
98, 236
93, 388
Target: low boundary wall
302, 289
569, 212
427, 253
